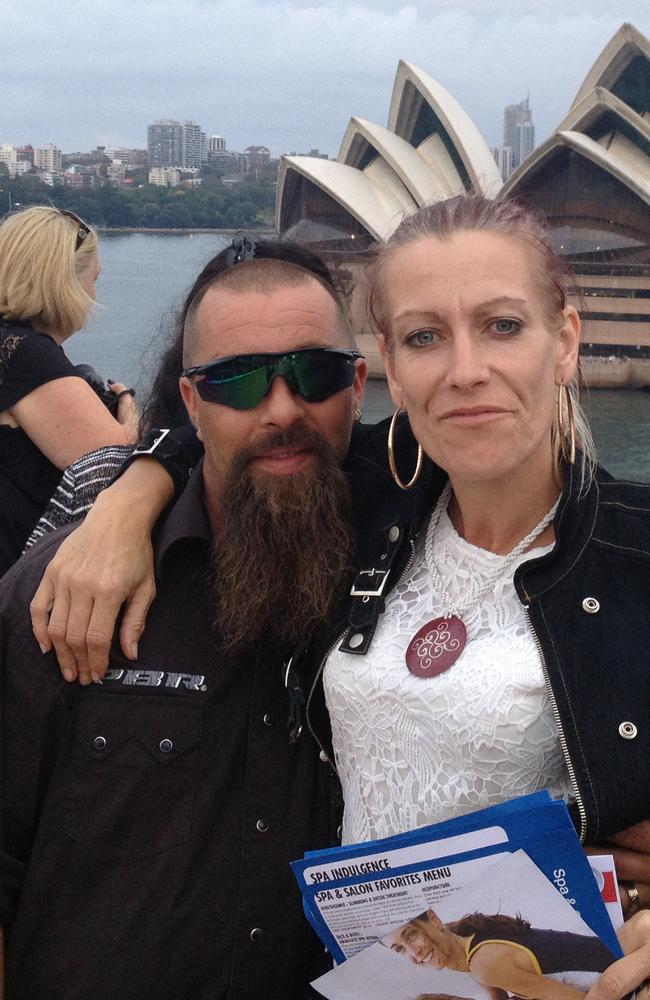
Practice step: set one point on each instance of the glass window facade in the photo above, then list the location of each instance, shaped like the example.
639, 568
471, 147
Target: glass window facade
633, 84
422, 121
311, 216
607, 124
594, 217
361, 153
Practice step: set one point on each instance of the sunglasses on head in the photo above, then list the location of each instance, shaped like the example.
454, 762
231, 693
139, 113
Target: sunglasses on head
83, 229
243, 380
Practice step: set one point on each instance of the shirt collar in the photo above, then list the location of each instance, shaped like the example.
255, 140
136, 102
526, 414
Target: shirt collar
187, 519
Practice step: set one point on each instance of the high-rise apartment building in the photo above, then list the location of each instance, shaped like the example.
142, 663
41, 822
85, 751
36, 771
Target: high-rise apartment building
25, 154
165, 143
8, 155
217, 144
503, 159
195, 145
516, 115
524, 141
48, 158
176, 144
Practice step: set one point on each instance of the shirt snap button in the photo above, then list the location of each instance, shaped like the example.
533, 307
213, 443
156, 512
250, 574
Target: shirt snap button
628, 730
165, 746
262, 825
355, 640
256, 934
99, 743
591, 605
393, 533
267, 720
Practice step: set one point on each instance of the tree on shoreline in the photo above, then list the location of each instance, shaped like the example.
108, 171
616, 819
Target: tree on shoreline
248, 204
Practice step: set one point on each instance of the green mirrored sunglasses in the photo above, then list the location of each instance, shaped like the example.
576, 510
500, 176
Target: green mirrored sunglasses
243, 380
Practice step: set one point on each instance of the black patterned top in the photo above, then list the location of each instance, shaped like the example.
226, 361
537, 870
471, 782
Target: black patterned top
28, 359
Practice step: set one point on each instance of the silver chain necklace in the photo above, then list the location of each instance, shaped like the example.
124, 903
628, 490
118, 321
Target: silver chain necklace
438, 644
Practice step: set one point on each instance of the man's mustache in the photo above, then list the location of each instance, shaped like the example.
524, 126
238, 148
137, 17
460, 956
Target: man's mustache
291, 437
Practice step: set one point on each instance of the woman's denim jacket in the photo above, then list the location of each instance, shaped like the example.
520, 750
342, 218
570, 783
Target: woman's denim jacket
587, 602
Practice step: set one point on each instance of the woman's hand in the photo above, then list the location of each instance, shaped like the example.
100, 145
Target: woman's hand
630, 972
631, 851
106, 563
127, 411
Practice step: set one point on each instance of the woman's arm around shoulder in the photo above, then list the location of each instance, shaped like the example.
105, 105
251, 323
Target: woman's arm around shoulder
106, 563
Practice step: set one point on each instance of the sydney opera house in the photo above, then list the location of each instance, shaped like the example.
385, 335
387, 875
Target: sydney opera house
591, 180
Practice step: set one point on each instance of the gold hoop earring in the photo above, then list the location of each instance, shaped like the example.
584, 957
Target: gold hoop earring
391, 457
566, 425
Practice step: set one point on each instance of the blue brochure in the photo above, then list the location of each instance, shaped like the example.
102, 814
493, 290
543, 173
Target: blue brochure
354, 893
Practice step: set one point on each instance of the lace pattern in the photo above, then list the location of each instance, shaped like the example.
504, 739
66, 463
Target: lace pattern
9, 341
411, 751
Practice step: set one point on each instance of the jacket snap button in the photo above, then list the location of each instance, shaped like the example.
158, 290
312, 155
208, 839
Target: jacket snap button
323, 756
355, 640
165, 746
393, 533
262, 825
99, 743
256, 934
267, 720
591, 605
628, 730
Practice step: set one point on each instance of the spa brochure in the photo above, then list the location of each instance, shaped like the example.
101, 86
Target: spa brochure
521, 858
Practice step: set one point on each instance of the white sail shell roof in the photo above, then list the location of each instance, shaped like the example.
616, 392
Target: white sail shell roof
431, 148
623, 149
380, 175
424, 183
587, 110
624, 46
468, 142
627, 163
374, 205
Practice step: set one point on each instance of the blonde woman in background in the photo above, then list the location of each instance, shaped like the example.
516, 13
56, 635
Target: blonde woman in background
49, 414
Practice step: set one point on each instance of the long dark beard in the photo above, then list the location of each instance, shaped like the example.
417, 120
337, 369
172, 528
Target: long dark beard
286, 547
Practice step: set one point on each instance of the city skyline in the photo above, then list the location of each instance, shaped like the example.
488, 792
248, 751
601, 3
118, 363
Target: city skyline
282, 74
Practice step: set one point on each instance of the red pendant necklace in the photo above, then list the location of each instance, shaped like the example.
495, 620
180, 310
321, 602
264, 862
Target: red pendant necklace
437, 645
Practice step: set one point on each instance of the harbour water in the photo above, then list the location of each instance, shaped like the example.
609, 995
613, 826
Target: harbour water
144, 276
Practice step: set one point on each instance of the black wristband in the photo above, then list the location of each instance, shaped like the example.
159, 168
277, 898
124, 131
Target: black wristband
165, 448
124, 392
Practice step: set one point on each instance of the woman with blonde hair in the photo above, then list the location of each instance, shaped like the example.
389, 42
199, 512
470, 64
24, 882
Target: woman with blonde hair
49, 414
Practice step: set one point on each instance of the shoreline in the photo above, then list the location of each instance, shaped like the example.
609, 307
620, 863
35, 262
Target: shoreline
153, 231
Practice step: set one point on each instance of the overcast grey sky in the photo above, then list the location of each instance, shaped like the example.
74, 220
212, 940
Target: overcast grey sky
287, 74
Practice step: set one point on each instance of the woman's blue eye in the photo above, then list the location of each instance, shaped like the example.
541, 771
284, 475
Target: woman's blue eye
506, 326
422, 338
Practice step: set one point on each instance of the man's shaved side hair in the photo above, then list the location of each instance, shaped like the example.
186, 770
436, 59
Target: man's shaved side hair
262, 275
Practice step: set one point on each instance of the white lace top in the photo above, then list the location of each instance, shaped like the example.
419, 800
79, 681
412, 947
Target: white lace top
411, 751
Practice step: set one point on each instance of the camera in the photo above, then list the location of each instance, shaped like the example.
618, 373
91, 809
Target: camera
97, 384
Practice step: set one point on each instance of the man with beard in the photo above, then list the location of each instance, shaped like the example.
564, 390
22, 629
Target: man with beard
149, 820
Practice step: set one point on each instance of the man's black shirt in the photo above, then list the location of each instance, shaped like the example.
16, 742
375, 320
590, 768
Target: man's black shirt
148, 822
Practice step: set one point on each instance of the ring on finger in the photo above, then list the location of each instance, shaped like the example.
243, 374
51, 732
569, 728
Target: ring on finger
633, 904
